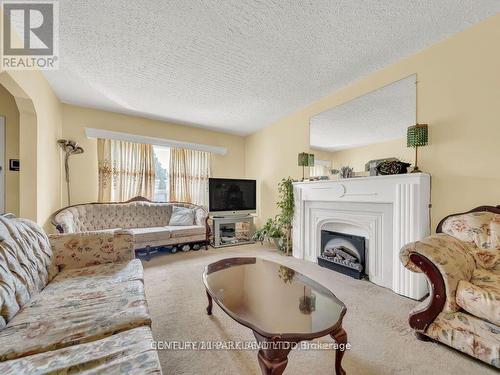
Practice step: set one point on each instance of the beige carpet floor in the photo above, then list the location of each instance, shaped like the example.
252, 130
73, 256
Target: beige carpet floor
376, 324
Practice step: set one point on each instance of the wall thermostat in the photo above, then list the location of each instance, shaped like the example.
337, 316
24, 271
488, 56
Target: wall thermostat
14, 164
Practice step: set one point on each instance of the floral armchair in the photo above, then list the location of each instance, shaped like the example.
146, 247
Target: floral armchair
462, 264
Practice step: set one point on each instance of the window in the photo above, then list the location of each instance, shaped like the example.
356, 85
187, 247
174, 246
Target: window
181, 175
162, 162
159, 173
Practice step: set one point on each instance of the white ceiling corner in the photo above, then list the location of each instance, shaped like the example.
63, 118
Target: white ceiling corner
236, 66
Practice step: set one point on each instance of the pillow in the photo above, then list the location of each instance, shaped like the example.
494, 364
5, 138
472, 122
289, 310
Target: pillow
487, 254
482, 231
181, 216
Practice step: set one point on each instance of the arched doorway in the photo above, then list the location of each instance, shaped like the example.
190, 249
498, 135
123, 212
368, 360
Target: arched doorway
27, 149
9, 153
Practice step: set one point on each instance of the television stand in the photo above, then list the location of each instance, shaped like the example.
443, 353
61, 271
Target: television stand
232, 230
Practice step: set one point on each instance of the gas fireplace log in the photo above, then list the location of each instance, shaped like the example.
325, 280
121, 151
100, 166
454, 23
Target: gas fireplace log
328, 253
354, 265
342, 253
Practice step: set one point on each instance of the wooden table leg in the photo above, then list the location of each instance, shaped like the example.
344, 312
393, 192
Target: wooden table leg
340, 337
209, 307
272, 360
271, 366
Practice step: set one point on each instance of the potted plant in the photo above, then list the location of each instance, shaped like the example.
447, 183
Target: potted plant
286, 205
270, 231
279, 228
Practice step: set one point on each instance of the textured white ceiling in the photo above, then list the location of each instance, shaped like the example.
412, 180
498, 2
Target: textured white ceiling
378, 116
238, 65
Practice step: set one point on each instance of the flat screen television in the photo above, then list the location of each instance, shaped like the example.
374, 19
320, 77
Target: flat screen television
227, 196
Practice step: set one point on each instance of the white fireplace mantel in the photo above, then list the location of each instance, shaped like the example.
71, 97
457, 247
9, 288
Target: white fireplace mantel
389, 211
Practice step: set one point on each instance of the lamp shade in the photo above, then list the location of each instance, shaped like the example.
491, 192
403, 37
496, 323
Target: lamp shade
417, 135
303, 159
306, 160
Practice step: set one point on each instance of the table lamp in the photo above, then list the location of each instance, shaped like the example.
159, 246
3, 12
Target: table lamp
305, 160
417, 136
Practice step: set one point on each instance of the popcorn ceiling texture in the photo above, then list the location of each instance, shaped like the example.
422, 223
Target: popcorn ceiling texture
237, 65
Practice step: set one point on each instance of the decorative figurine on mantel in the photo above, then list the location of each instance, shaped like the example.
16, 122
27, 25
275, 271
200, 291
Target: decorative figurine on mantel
392, 167
372, 165
343, 172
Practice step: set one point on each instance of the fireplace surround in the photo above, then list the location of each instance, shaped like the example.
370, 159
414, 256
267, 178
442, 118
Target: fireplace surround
389, 211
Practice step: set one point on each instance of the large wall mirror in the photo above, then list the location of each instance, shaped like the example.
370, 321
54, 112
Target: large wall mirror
379, 116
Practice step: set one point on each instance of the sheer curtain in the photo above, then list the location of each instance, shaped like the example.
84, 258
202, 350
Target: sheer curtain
126, 170
188, 176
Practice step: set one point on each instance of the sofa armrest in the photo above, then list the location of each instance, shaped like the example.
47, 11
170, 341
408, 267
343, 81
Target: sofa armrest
200, 216
77, 250
443, 254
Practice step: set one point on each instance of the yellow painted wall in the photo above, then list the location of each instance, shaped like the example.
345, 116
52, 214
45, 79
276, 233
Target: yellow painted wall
83, 167
40, 127
8, 109
272, 154
459, 97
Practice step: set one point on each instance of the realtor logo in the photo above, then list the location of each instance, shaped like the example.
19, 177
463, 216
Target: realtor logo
30, 35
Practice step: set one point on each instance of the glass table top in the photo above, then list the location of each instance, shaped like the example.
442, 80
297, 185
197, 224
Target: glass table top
271, 298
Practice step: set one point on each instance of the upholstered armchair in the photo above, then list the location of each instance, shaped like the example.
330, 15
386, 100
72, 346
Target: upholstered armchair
462, 264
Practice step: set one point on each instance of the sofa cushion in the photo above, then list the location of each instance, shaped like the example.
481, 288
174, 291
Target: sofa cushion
468, 334
481, 296
78, 250
26, 265
150, 234
68, 313
127, 352
482, 231
102, 274
186, 230
181, 216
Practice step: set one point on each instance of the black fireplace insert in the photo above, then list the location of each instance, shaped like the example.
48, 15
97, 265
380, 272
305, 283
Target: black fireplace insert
343, 253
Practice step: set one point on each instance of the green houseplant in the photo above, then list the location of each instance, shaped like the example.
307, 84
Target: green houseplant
286, 206
279, 228
270, 231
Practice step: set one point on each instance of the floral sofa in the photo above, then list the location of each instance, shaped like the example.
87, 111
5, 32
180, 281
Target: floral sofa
148, 221
462, 264
75, 304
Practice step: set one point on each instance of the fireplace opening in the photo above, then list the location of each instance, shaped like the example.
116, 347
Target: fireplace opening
343, 253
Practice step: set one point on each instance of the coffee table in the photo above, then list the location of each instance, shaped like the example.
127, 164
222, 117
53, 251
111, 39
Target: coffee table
281, 306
